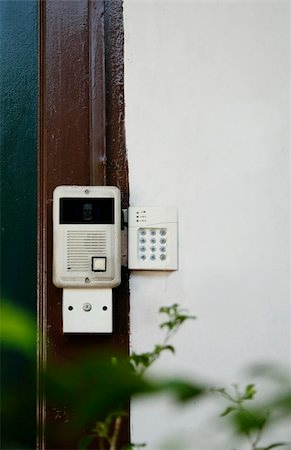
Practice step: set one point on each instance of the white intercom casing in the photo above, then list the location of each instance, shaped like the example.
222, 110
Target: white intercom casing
152, 238
86, 227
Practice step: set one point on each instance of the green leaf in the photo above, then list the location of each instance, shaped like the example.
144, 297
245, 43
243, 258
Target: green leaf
164, 309
246, 421
102, 428
228, 410
160, 348
17, 328
250, 392
170, 324
85, 441
176, 316
182, 390
276, 444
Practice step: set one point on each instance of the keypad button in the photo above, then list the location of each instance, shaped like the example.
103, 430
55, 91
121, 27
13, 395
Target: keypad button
153, 240
153, 232
143, 232
142, 240
153, 249
163, 240
143, 257
153, 257
163, 232
162, 249
162, 257
142, 249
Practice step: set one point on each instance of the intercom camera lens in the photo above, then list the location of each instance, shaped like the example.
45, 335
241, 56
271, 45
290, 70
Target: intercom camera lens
87, 212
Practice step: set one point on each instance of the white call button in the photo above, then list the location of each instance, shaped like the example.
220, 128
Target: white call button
98, 264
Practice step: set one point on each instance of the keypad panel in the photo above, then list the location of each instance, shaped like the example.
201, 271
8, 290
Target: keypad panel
152, 244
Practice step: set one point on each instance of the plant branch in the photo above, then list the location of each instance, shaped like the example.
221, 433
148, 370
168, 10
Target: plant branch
116, 431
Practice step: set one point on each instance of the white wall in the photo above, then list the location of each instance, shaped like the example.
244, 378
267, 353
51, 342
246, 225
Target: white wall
207, 97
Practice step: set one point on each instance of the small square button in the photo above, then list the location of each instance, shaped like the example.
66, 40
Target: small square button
98, 264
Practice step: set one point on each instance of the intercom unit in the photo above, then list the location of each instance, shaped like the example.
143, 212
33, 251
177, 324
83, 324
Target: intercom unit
152, 238
87, 254
87, 250
86, 237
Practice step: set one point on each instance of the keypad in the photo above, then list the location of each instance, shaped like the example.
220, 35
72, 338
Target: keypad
152, 244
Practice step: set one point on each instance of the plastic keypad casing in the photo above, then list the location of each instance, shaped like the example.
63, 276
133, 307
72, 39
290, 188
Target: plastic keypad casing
152, 238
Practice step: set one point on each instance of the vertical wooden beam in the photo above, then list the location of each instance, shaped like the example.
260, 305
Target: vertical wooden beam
74, 142
97, 92
117, 167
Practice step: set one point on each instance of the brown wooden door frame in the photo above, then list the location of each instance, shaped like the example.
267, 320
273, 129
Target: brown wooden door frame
82, 142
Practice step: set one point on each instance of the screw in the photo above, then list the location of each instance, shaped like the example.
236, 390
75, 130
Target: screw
87, 280
86, 191
87, 307
104, 308
70, 308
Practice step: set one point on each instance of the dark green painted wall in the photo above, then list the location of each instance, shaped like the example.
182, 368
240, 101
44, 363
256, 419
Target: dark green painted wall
18, 139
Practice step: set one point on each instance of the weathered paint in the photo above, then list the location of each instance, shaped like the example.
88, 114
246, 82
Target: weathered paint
117, 167
97, 99
18, 138
73, 151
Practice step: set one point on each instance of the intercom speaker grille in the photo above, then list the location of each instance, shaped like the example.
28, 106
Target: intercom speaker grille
81, 246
